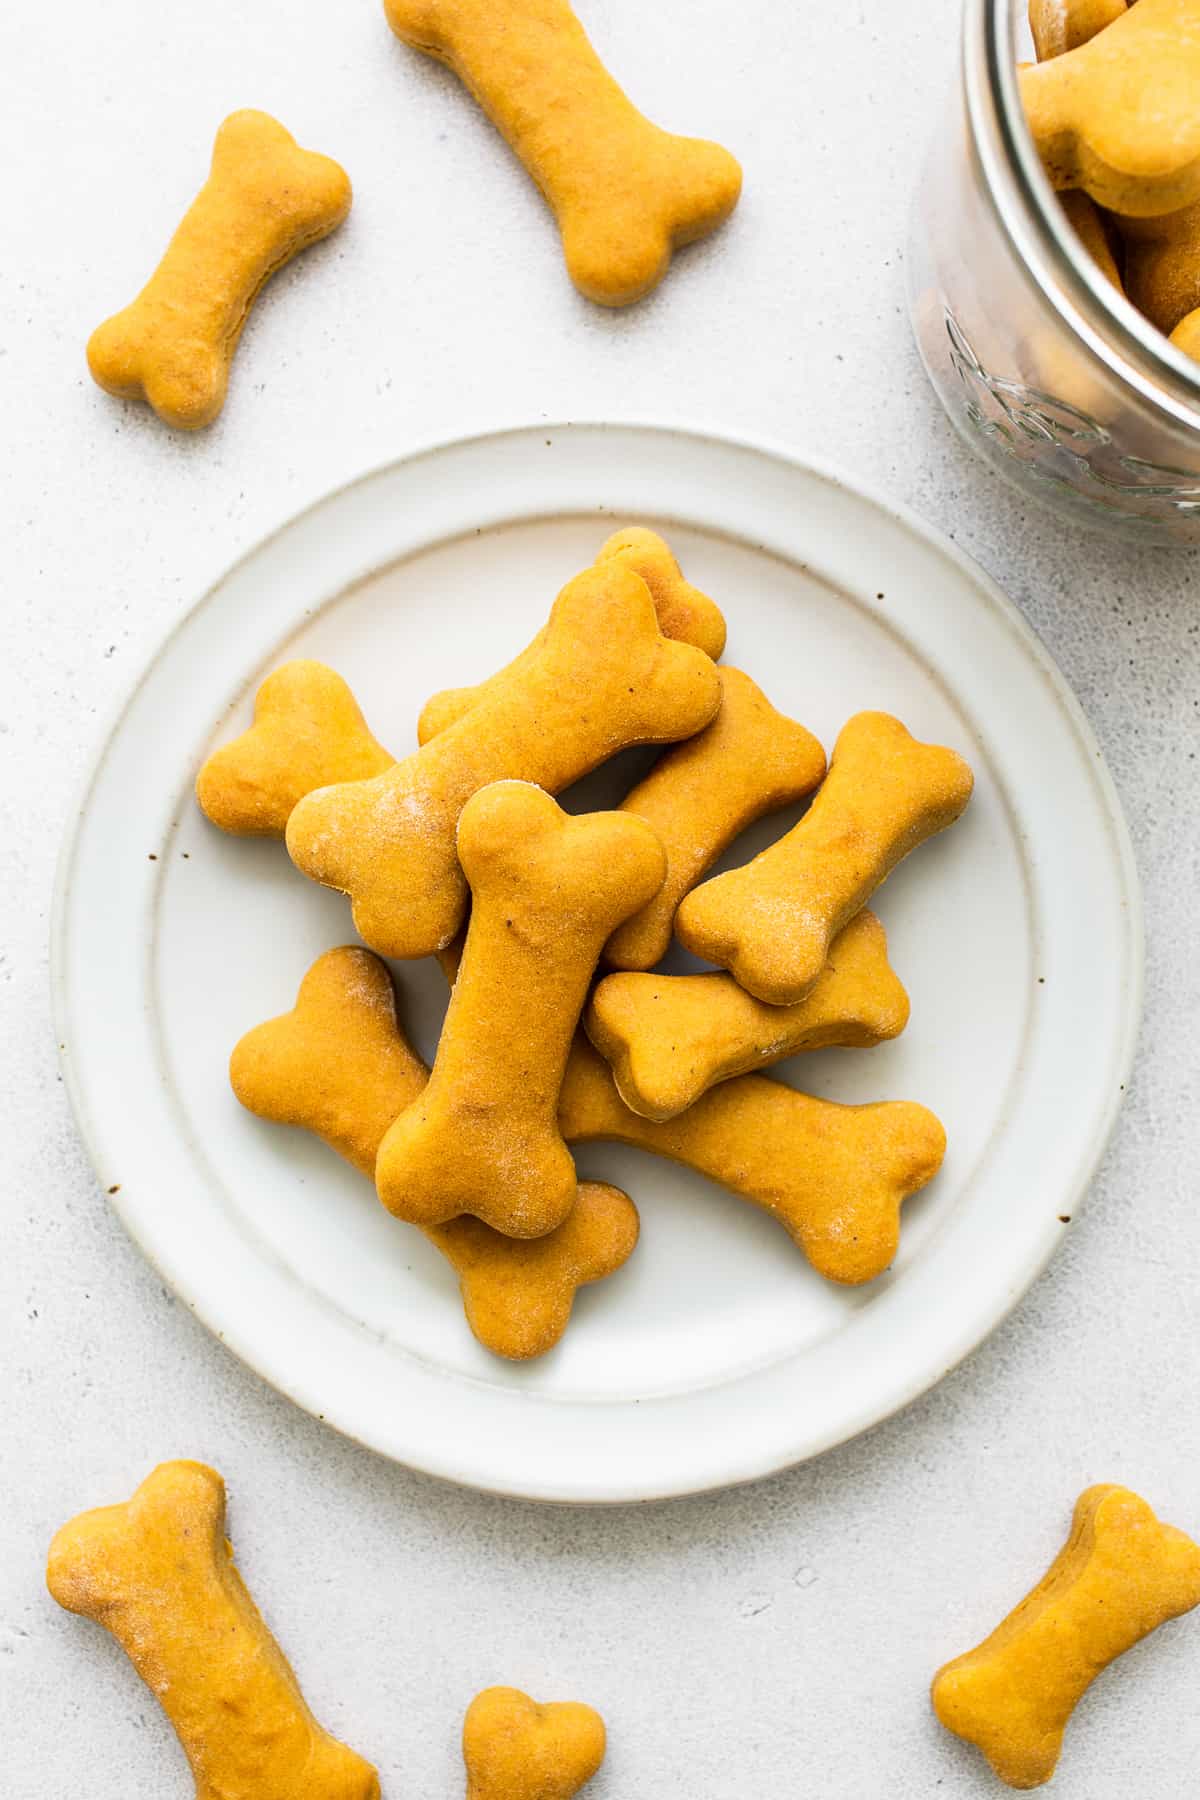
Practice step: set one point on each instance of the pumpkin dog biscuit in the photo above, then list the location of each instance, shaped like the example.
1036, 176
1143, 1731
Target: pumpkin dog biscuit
547, 889
683, 613
308, 732
265, 200
771, 923
1186, 335
339, 1066
625, 193
157, 1572
1117, 116
833, 1176
669, 1038
1162, 265
1062, 25
750, 761
515, 1749
602, 677
1120, 1575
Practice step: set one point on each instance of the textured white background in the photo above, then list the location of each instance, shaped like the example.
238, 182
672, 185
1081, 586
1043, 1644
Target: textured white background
759, 1645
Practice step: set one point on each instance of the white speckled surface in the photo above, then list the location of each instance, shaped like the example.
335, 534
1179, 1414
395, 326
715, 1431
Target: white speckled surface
759, 1645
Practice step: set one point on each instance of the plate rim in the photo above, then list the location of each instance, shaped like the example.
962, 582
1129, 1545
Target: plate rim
931, 1371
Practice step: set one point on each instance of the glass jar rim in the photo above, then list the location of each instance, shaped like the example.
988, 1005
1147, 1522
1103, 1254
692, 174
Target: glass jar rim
1135, 352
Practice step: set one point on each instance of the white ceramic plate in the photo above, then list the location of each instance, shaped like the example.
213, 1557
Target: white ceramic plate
716, 1355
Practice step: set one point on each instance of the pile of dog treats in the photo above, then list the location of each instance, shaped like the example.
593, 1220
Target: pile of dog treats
1114, 107
460, 851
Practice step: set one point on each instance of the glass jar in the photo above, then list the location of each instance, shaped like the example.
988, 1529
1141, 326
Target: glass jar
1047, 372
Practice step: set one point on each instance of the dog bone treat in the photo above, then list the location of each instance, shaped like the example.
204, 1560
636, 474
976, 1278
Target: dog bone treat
515, 1749
833, 1176
265, 200
307, 733
1162, 265
1120, 1575
671, 1037
625, 193
338, 1065
602, 678
1061, 25
1186, 335
771, 923
683, 612
1088, 224
751, 760
546, 889
157, 1572
1117, 116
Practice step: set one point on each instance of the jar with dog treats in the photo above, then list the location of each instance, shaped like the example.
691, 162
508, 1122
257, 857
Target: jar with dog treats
1045, 366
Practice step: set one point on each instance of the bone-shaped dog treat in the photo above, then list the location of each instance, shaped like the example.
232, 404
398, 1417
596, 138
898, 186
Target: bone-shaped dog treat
669, 1038
625, 193
515, 1749
1088, 224
771, 923
1118, 115
603, 677
338, 1065
1162, 265
683, 613
833, 1176
1120, 1575
750, 761
265, 199
1062, 25
546, 889
157, 1572
1186, 335
308, 732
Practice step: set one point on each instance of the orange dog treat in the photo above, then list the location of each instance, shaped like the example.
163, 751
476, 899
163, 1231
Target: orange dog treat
515, 1749
602, 677
625, 193
683, 613
751, 760
1117, 116
546, 889
771, 923
264, 201
834, 1176
339, 1066
1186, 335
1120, 1575
307, 733
669, 1038
1089, 226
157, 1572
1061, 25
1162, 265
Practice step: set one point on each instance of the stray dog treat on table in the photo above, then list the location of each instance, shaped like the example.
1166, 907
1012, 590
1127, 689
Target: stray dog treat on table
669, 1038
771, 922
1120, 1575
683, 613
750, 761
547, 889
265, 200
157, 1571
515, 1749
602, 678
338, 1065
625, 193
308, 732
